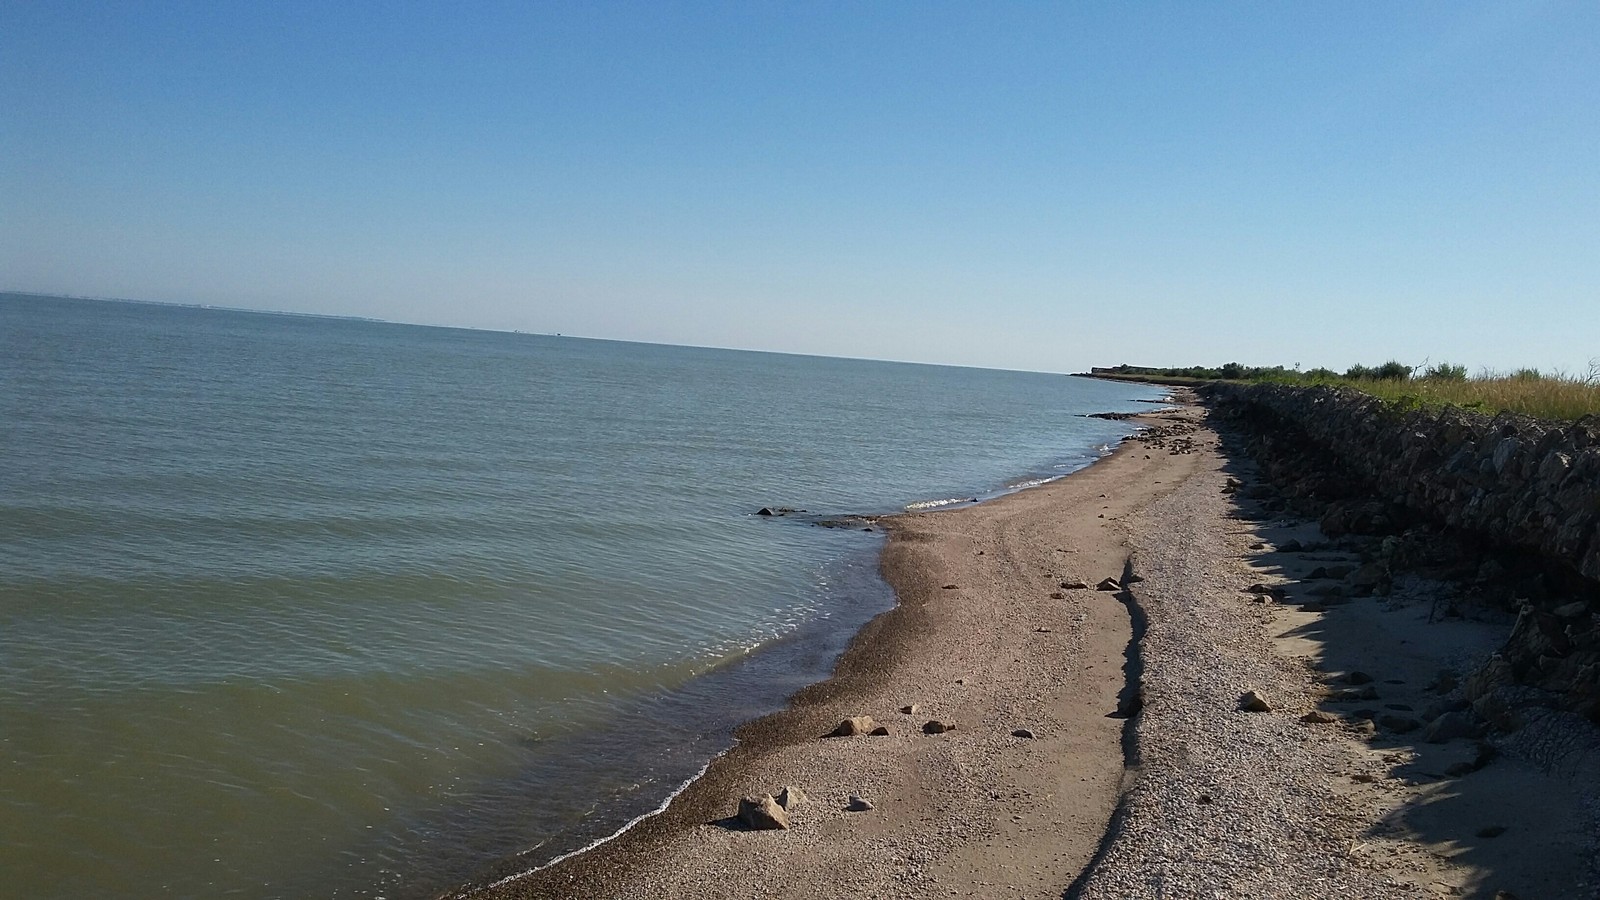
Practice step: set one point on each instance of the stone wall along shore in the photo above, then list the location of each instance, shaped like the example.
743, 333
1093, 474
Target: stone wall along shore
1517, 497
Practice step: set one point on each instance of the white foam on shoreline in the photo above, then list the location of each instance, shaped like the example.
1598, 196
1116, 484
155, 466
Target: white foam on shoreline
605, 840
936, 504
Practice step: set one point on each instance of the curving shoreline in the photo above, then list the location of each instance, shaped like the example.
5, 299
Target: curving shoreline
1142, 773
956, 809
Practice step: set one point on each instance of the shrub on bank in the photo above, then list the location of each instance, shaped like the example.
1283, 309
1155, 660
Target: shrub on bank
1527, 391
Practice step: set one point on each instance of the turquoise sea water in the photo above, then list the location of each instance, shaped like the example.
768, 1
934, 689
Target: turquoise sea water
297, 606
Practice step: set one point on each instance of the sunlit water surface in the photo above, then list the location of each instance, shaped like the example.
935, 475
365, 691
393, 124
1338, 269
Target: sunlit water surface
298, 607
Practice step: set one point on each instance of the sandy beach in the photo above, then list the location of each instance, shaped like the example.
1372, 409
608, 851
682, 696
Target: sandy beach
1100, 748
985, 637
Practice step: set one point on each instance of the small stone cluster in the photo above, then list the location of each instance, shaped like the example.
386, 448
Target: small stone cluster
764, 812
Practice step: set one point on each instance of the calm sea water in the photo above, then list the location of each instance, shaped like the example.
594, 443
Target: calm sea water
312, 607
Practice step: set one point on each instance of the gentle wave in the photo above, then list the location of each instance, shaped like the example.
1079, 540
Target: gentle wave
937, 504
364, 586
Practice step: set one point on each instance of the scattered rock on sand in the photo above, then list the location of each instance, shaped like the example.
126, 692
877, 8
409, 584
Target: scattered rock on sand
1357, 678
1368, 576
934, 726
1362, 728
1444, 682
1448, 727
853, 726
1485, 755
791, 797
1023, 733
949, 587
762, 813
1351, 695
1493, 831
1057, 595
910, 709
1074, 584
1399, 724
880, 731
858, 803
1252, 701
1318, 717
1109, 584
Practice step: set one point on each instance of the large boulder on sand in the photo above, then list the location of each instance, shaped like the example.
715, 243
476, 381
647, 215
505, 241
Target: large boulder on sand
853, 726
762, 813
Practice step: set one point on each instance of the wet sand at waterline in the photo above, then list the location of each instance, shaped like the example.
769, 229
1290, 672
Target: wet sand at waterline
1192, 796
985, 636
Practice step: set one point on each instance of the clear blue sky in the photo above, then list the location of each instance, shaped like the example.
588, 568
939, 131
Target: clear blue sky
1035, 186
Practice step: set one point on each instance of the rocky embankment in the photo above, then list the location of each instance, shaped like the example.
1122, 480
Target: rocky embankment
1508, 505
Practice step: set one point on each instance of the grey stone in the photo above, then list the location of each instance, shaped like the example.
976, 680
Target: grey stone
1369, 575
1448, 727
935, 726
1399, 724
1352, 695
1362, 728
1573, 610
858, 804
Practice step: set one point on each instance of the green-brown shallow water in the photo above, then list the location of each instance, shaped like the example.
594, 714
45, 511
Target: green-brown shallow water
295, 606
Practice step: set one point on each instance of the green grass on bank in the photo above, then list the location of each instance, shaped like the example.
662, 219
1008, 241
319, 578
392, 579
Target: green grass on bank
1556, 395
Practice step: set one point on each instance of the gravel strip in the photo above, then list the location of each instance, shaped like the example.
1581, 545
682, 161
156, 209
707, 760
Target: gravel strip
1227, 803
